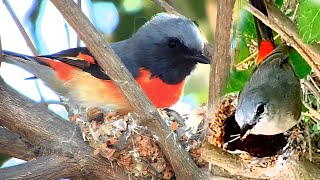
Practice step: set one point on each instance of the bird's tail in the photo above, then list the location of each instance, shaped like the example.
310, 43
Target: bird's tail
264, 33
21, 59
38, 68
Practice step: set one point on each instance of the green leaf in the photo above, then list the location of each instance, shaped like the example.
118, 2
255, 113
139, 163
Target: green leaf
279, 3
315, 128
247, 28
237, 79
246, 34
3, 158
301, 67
309, 20
306, 118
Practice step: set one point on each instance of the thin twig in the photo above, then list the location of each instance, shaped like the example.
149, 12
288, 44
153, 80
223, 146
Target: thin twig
78, 38
309, 78
166, 7
312, 111
1, 52
311, 88
249, 58
26, 38
310, 115
21, 28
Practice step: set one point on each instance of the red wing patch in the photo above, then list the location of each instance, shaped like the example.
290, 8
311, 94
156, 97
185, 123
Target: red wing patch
88, 58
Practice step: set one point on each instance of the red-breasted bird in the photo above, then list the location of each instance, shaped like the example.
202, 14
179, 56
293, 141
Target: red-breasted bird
270, 102
160, 55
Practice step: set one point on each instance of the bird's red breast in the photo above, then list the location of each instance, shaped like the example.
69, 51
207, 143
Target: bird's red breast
101, 93
160, 93
266, 47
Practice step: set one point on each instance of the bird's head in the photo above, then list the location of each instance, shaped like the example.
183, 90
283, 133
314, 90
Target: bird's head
256, 112
267, 110
169, 46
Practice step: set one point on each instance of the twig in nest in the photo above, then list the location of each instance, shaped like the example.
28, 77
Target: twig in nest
245, 135
237, 136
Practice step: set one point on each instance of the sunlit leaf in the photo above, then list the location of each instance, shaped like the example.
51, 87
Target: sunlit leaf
309, 20
247, 28
315, 128
237, 79
279, 3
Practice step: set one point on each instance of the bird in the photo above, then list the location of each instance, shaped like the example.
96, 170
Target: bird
159, 55
270, 101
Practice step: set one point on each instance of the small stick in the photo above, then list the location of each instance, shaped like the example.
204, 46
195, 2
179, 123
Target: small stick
78, 38
245, 135
21, 28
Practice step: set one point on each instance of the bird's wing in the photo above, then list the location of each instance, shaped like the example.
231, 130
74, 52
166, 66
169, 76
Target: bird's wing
77, 57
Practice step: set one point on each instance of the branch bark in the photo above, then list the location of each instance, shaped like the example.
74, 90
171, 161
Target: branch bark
288, 31
13, 145
221, 60
52, 167
293, 168
54, 136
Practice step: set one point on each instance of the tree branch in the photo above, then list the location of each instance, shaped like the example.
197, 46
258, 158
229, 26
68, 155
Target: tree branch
52, 167
221, 60
293, 168
166, 7
180, 160
53, 135
288, 31
299, 169
12, 145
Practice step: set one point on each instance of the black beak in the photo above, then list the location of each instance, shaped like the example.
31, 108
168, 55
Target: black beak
200, 58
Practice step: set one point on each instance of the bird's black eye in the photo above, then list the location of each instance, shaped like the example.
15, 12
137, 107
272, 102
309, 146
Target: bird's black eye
173, 42
260, 109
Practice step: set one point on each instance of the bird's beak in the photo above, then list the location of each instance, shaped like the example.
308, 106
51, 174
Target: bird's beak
200, 58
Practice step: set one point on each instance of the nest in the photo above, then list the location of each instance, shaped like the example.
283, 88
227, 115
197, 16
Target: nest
120, 138
262, 156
